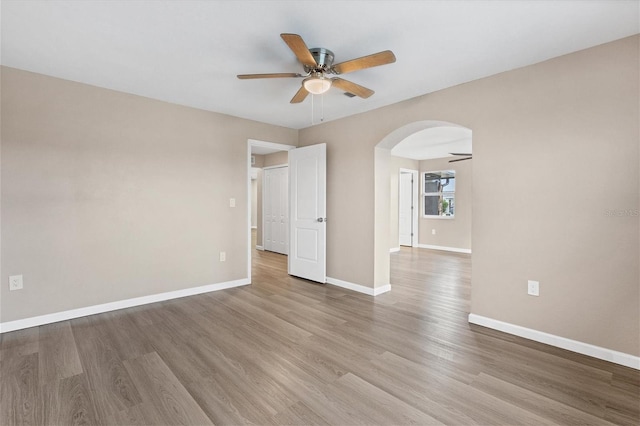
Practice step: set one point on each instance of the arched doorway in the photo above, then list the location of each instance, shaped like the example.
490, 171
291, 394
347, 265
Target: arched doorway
431, 142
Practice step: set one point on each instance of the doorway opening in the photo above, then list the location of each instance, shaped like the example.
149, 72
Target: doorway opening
425, 149
263, 156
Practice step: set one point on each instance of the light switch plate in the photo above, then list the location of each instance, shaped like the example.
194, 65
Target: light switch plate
232, 202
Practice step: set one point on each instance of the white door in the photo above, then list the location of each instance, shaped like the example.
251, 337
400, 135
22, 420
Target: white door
276, 210
307, 196
407, 209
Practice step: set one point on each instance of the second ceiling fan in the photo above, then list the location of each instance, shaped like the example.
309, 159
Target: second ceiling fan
318, 63
466, 156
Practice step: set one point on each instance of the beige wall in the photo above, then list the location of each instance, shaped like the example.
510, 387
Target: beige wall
276, 159
456, 232
571, 120
109, 196
381, 266
350, 195
259, 165
395, 164
259, 161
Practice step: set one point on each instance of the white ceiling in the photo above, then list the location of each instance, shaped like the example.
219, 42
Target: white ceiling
189, 52
261, 150
434, 142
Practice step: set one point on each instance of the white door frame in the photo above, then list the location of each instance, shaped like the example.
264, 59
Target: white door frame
264, 144
416, 206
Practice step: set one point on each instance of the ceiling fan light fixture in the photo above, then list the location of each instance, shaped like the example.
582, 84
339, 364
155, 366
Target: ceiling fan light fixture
317, 63
316, 85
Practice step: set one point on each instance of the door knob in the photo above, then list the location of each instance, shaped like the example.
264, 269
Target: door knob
320, 219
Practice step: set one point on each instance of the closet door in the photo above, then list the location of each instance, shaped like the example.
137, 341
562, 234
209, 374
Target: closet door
276, 208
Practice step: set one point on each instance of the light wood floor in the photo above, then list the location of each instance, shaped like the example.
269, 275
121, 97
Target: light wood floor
286, 351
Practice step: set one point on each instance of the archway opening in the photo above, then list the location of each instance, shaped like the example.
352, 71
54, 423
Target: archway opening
443, 213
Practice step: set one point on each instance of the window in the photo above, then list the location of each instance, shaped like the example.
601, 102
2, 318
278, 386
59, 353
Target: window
438, 193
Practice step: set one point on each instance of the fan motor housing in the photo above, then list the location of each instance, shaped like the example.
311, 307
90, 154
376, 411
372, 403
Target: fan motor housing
323, 57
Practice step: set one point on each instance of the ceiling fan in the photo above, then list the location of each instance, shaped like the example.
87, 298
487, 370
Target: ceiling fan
318, 63
467, 157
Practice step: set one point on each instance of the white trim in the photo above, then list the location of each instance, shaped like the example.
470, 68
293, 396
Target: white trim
359, 288
259, 248
262, 221
277, 166
382, 289
415, 199
443, 248
394, 249
254, 227
249, 206
272, 145
610, 355
436, 217
113, 306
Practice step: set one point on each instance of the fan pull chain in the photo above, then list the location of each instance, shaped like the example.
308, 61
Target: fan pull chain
313, 97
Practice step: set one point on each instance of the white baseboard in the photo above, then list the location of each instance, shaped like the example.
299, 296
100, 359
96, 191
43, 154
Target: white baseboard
394, 250
113, 306
383, 289
610, 355
443, 248
359, 288
260, 248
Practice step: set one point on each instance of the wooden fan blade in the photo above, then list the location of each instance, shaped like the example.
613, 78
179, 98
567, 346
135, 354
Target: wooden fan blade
274, 75
351, 87
299, 96
380, 58
460, 159
300, 49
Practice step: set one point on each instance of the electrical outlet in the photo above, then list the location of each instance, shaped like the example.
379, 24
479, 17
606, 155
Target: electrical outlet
15, 282
232, 202
433, 232
533, 288
223, 256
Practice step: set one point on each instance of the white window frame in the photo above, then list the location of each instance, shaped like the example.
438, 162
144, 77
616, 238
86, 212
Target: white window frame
440, 194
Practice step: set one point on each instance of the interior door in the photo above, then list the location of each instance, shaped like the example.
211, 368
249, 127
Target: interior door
405, 211
308, 220
281, 237
276, 214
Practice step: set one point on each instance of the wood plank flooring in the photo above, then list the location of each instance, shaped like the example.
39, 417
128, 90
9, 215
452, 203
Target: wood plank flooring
287, 351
